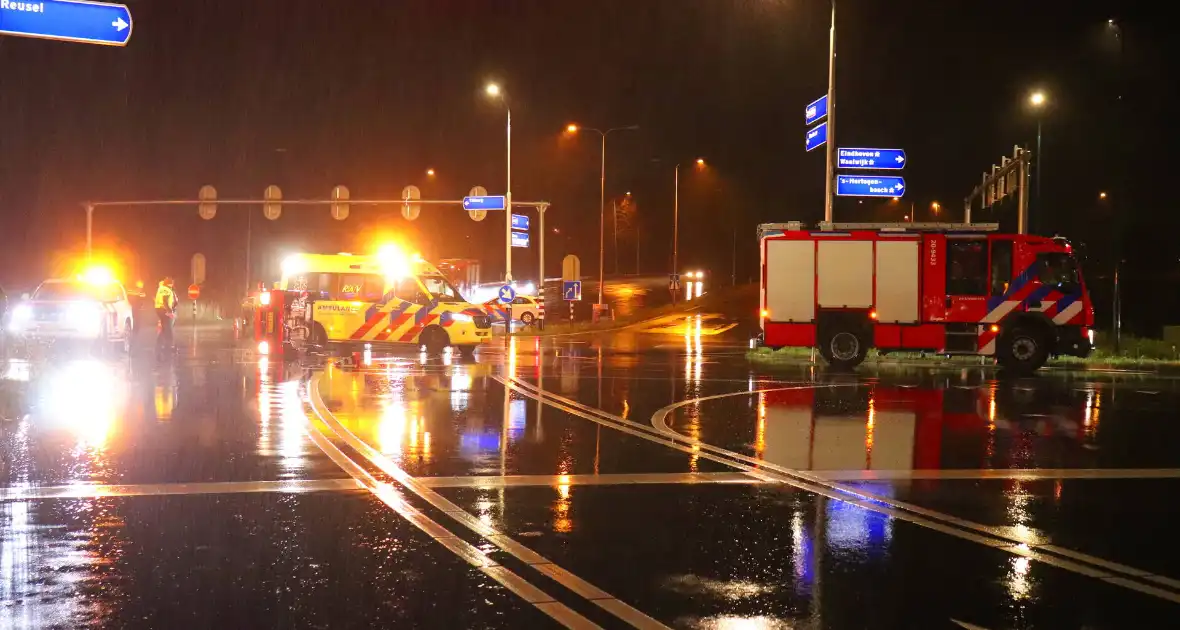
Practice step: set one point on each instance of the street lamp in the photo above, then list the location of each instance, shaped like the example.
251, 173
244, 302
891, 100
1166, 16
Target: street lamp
935, 207
1102, 195
493, 90
1038, 101
430, 172
572, 128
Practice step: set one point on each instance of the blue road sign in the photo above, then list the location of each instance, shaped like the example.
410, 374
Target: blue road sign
520, 222
869, 186
571, 290
67, 20
507, 294
816, 110
487, 202
817, 136
875, 159
520, 239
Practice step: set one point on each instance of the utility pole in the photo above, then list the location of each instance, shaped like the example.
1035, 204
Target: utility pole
830, 169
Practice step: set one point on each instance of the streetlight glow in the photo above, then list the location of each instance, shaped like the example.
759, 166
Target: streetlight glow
430, 172
1102, 195
700, 161
935, 206
493, 89
571, 128
1037, 99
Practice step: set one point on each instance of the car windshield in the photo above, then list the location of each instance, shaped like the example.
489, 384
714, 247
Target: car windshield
76, 291
441, 289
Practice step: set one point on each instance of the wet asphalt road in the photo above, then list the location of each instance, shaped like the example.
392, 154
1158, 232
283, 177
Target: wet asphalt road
641, 479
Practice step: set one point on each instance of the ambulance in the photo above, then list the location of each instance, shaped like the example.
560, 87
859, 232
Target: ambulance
346, 300
845, 288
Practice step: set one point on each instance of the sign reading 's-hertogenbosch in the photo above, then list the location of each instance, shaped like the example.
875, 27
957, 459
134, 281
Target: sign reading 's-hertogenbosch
869, 186
67, 20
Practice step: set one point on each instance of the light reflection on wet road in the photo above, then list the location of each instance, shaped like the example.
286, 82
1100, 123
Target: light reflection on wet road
210, 504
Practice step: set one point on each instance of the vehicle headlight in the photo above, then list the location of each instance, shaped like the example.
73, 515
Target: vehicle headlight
85, 317
21, 316
462, 317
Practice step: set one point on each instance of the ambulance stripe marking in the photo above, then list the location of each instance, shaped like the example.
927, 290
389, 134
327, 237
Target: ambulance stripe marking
376, 318
417, 327
394, 325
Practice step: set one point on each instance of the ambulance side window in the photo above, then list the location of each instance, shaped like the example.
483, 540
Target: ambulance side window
1001, 266
966, 267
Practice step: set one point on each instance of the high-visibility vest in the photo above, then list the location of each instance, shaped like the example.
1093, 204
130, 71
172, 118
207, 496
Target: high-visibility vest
165, 297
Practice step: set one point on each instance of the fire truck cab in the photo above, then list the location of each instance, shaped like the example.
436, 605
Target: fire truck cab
344, 299
928, 287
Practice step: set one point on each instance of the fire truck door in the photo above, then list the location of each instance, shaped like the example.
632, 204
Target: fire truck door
966, 279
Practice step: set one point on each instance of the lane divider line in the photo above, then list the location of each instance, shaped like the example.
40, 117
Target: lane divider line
994, 537
389, 495
575, 584
92, 491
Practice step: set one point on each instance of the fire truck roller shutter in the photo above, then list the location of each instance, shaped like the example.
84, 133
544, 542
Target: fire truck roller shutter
897, 281
845, 274
790, 275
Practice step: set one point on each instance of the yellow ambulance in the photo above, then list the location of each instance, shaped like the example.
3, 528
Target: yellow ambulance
385, 299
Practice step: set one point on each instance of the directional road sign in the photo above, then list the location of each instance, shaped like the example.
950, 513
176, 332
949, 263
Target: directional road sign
875, 159
869, 186
571, 290
520, 239
817, 136
520, 222
487, 202
816, 110
67, 20
507, 294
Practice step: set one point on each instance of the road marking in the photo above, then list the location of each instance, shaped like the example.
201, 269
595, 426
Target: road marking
389, 495
91, 491
995, 537
1001, 473
576, 585
512, 481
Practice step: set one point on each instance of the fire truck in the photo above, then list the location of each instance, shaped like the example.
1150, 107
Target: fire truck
345, 300
844, 288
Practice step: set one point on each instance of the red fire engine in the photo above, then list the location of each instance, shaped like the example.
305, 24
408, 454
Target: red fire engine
931, 287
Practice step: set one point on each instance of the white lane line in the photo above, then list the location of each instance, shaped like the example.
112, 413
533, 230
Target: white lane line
1021, 546
389, 495
378, 459
996, 537
92, 491
512, 481
1029, 474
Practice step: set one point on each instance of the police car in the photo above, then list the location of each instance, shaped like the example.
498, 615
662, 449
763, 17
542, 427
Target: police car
91, 308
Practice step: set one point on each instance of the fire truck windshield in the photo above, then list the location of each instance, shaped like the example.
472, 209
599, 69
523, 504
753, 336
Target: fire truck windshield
1058, 270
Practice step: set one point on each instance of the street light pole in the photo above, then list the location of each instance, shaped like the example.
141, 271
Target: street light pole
508, 207
829, 169
1040, 210
676, 233
602, 218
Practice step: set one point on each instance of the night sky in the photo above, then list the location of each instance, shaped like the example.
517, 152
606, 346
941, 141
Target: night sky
371, 93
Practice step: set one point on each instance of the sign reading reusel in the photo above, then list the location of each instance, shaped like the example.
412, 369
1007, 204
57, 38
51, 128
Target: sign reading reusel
67, 20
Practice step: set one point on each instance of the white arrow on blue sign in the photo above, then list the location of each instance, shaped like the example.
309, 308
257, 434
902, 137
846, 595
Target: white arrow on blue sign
67, 20
817, 136
875, 159
866, 186
520, 239
487, 202
507, 293
520, 222
571, 290
816, 110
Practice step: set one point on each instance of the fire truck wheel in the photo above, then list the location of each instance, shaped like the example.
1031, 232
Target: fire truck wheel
1022, 350
435, 339
843, 349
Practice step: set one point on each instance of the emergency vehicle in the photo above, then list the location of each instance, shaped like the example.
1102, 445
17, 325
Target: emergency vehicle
343, 299
926, 287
